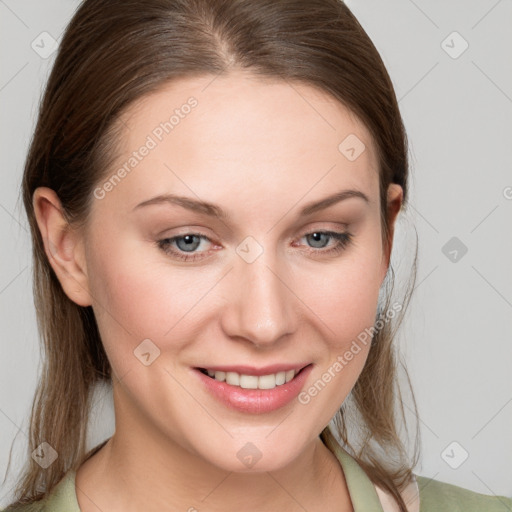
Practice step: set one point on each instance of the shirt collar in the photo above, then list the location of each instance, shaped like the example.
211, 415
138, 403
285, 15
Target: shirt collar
362, 491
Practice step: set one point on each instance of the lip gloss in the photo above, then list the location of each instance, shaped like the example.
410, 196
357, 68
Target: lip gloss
255, 401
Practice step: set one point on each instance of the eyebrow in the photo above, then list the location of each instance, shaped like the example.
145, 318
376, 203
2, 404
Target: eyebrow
216, 211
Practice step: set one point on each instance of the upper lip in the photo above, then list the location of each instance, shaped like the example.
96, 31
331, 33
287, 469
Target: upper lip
252, 370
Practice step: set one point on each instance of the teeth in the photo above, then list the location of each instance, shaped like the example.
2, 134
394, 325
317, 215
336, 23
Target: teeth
253, 381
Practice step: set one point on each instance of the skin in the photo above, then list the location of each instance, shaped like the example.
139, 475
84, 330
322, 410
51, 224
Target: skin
261, 150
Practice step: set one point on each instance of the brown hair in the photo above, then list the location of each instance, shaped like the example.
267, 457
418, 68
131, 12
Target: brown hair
114, 53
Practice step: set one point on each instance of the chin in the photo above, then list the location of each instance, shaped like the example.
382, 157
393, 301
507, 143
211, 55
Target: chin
262, 454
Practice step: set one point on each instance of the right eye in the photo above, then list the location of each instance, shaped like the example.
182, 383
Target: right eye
186, 243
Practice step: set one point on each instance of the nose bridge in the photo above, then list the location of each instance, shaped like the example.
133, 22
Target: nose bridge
259, 302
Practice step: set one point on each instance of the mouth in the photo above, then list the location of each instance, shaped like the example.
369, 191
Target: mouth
253, 379
254, 390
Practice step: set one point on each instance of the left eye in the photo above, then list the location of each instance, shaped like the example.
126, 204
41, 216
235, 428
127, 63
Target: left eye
189, 242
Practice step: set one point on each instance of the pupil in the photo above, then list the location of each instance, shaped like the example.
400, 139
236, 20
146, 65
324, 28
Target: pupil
317, 237
188, 241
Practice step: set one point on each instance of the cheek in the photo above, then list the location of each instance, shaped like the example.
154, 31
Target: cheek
345, 295
134, 299
346, 302
139, 296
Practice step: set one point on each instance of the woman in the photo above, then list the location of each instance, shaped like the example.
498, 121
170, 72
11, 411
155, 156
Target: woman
212, 190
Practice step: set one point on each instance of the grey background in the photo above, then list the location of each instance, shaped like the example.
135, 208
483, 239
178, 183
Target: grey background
456, 339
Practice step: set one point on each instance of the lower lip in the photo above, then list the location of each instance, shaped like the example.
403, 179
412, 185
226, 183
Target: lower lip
255, 401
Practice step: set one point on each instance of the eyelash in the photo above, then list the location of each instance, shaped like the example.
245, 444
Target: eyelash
342, 241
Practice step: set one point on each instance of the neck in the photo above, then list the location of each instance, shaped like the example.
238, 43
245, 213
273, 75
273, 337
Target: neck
125, 477
140, 469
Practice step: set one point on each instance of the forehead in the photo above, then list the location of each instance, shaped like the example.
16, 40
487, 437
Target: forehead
209, 135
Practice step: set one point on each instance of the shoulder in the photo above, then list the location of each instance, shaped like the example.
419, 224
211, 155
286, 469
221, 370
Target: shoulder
62, 498
38, 506
437, 496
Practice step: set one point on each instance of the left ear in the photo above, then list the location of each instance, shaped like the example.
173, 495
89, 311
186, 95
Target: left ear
394, 204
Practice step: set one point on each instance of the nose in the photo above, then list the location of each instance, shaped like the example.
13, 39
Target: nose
260, 303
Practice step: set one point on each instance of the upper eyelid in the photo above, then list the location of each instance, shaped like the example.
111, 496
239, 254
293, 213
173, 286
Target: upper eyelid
340, 227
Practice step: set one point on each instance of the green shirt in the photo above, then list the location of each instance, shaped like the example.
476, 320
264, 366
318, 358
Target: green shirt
434, 496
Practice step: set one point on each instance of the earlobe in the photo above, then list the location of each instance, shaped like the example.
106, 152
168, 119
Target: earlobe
63, 245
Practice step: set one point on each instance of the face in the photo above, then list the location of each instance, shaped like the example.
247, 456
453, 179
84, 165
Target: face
256, 283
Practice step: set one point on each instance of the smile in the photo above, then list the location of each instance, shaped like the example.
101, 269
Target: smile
244, 381
254, 390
